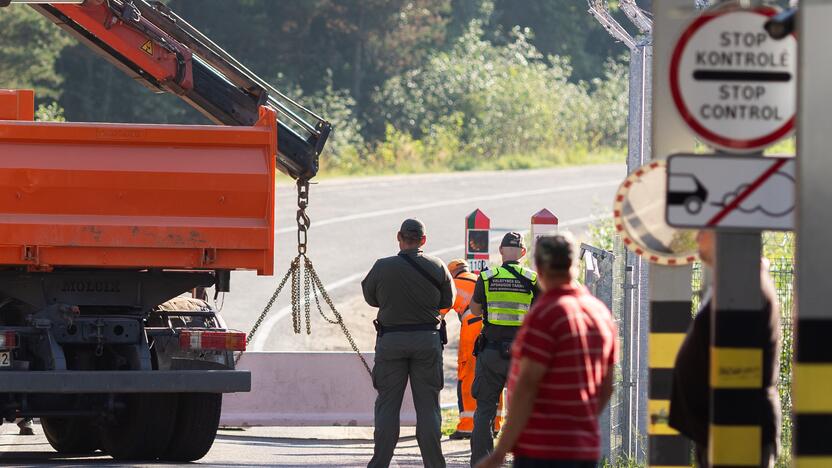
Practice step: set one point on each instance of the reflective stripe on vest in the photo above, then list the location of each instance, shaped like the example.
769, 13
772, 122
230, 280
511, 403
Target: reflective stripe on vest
507, 300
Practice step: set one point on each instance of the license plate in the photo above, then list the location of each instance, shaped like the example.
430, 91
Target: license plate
5, 359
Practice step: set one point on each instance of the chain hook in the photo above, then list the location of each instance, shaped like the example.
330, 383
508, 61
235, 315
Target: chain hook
302, 218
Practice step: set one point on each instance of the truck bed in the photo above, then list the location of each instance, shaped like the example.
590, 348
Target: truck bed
137, 196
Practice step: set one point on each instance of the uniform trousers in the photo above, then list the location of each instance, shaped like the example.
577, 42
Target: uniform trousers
400, 356
491, 375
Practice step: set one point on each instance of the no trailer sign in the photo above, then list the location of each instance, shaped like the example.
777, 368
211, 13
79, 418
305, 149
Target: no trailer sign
732, 83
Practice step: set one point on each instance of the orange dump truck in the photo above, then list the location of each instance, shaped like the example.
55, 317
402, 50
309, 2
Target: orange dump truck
109, 234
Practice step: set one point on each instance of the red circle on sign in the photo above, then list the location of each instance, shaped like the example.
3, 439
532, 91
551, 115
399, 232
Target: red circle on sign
682, 107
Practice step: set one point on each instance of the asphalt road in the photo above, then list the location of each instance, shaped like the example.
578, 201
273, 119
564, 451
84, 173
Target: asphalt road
354, 221
284, 447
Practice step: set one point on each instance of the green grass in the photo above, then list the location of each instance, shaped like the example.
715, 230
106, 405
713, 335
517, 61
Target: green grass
539, 160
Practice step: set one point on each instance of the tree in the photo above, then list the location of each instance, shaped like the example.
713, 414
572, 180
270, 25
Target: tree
28, 50
562, 28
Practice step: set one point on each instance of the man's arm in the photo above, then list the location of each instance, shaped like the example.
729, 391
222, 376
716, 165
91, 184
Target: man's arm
448, 290
478, 299
520, 409
368, 287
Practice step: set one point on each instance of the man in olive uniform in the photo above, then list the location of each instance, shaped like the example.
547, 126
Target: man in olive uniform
409, 289
502, 296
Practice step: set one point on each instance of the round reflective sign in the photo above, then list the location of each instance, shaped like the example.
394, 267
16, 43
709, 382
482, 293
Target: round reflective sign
639, 214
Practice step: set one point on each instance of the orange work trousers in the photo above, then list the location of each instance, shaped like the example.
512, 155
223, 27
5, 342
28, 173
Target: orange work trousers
467, 364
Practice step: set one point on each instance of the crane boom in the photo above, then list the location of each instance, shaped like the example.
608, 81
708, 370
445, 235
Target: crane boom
161, 50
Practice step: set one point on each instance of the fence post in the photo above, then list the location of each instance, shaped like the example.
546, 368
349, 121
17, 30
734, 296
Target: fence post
599, 279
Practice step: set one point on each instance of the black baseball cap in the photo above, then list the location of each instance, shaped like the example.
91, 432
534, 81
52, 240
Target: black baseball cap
413, 228
513, 239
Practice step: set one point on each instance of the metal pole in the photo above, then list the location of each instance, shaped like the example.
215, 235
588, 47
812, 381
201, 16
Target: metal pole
627, 364
670, 287
642, 268
634, 410
813, 366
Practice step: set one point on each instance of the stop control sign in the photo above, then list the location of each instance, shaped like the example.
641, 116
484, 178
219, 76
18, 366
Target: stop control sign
733, 84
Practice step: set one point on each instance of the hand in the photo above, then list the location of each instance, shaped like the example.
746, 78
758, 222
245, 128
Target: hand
494, 460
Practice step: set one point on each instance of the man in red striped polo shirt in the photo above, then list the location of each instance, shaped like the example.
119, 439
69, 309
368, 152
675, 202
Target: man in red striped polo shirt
561, 370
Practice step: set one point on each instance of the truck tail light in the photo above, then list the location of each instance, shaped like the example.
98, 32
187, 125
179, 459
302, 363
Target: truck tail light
212, 340
8, 340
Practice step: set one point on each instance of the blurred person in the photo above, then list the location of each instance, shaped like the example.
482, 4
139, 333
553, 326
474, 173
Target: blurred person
561, 369
502, 296
690, 392
409, 290
470, 327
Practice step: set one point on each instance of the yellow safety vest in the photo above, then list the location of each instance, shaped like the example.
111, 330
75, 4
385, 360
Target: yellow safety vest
507, 298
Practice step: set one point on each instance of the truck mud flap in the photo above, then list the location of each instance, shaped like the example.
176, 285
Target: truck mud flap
186, 381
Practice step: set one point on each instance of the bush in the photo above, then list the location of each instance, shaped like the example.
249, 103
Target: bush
479, 105
483, 106
497, 100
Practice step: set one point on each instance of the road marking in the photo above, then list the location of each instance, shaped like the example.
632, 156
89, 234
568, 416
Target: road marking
458, 201
260, 341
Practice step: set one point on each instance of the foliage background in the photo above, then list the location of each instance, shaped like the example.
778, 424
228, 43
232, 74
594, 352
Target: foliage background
410, 85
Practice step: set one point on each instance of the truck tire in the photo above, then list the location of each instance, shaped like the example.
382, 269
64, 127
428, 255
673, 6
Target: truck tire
76, 436
143, 429
197, 420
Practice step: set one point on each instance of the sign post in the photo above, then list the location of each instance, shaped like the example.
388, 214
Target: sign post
735, 87
544, 223
477, 240
669, 288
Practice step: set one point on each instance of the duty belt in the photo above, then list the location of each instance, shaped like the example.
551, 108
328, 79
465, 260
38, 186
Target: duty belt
498, 345
382, 329
437, 326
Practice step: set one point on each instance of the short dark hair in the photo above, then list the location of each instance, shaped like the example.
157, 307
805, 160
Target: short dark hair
410, 237
556, 253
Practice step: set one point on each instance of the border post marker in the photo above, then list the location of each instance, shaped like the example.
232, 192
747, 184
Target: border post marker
477, 240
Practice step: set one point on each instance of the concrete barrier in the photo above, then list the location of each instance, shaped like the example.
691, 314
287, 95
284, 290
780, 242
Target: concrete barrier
306, 389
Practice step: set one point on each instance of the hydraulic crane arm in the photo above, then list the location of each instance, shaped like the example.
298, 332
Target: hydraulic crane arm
158, 48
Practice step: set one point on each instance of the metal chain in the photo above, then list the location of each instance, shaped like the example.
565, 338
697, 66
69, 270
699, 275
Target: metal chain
312, 286
317, 286
294, 266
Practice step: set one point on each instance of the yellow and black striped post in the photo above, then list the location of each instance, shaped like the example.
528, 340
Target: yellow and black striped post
670, 287
812, 386
669, 320
739, 331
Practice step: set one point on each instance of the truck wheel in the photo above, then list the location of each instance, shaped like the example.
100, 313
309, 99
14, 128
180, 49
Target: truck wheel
197, 420
143, 429
75, 436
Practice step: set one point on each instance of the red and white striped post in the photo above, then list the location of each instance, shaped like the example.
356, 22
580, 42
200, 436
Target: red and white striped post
477, 240
544, 222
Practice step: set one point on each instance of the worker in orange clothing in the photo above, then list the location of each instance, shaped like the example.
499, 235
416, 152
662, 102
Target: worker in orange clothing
470, 328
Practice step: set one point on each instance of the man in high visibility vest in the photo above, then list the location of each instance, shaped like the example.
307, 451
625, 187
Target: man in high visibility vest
470, 327
502, 296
